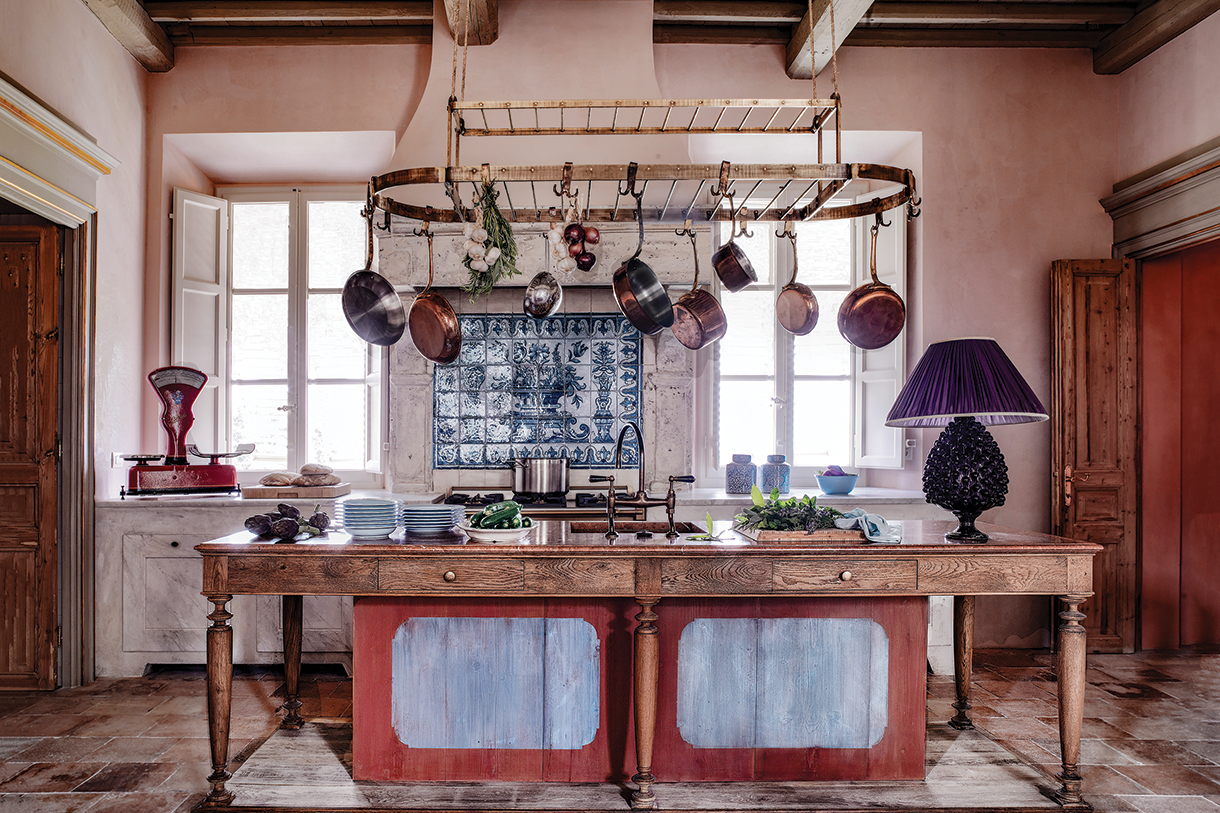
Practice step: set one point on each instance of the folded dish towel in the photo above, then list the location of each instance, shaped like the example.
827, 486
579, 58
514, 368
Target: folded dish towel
875, 528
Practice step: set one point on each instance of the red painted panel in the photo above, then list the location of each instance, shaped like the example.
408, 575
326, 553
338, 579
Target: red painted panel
1161, 444
1200, 616
379, 755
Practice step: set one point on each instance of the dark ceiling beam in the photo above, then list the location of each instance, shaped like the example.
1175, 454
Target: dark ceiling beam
721, 34
262, 35
727, 12
900, 13
128, 23
796, 54
235, 11
973, 38
482, 17
1147, 31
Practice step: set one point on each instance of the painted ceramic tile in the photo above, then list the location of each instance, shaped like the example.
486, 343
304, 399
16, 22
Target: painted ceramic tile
559, 387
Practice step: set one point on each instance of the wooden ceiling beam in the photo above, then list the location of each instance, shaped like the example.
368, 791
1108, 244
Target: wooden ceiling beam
796, 55
1147, 31
481, 16
973, 38
728, 12
973, 13
262, 35
235, 11
128, 23
721, 34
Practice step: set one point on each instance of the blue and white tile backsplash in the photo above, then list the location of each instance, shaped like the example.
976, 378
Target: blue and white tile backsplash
558, 387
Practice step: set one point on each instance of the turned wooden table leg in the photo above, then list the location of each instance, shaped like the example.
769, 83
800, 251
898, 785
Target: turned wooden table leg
220, 696
646, 673
963, 658
1070, 665
291, 611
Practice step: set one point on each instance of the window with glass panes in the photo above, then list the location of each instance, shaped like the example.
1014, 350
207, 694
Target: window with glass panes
302, 386
777, 393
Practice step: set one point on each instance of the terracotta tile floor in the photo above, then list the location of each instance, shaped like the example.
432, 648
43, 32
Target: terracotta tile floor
139, 745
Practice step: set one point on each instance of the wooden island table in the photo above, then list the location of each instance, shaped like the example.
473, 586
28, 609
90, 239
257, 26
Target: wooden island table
556, 562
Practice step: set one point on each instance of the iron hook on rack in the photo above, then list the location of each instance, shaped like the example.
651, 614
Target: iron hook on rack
786, 230
733, 229
687, 230
630, 190
423, 231
879, 220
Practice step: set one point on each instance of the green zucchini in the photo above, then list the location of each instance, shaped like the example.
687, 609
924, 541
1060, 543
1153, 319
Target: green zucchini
476, 520
498, 512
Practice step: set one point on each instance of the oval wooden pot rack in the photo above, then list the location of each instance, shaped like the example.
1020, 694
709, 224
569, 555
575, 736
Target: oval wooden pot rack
672, 192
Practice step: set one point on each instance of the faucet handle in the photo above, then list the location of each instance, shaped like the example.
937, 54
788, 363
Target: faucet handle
682, 478
601, 478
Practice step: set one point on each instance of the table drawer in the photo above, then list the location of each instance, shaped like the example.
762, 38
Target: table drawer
844, 575
312, 575
452, 576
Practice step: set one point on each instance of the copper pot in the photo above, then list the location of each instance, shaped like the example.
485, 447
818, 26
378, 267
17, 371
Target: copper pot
796, 307
638, 292
733, 266
872, 315
698, 318
431, 321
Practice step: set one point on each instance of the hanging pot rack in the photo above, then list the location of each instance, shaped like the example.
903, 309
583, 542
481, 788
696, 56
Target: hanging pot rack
675, 192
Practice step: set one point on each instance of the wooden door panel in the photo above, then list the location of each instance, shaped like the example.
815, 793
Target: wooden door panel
1094, 407
29, 372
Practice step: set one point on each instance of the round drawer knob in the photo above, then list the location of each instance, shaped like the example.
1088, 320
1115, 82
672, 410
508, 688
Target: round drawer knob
845, 576
450, 576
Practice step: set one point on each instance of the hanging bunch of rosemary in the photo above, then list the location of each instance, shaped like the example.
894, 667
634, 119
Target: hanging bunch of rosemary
495, 256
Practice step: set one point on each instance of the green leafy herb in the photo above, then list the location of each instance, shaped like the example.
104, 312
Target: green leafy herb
499, 235
792, 514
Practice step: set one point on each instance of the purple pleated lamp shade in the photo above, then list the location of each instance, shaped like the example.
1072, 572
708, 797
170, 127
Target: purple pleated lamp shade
963, 378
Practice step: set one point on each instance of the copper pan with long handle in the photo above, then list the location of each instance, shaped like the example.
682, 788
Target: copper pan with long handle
431, 321
729, 262
637, 291
872, 315
371, 306
698, 318
796, 307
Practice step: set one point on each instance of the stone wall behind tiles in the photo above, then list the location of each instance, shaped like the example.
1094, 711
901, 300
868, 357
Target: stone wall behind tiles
667, 404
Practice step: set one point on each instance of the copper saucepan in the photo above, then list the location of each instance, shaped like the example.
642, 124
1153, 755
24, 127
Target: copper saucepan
796, 307
730, 262
638, 292
371, 306
698, 318
872, 315
431, 321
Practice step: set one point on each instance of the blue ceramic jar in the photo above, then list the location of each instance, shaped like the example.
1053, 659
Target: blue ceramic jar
775, 474
739, 475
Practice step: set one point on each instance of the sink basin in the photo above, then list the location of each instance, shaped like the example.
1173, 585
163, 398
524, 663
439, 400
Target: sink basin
634, 527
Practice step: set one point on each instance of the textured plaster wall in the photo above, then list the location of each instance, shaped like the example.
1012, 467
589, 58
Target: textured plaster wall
1169, 101
61, 54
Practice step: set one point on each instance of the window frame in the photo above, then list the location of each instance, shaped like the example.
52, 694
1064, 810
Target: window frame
892, 268
298, 291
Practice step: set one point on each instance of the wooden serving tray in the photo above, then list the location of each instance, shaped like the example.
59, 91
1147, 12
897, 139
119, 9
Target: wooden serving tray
295, 492
831, 536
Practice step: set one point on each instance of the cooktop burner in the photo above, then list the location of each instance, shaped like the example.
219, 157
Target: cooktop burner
583, 500
474, 499
541, 499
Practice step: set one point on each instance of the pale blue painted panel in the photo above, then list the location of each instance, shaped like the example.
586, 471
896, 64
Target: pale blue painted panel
482, 683
716, 673
795, 683
572, 691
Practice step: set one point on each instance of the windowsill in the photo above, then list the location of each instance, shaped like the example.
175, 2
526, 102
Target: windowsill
229, 500
858, 496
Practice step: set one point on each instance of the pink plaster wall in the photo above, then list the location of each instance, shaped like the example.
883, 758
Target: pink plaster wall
61, 54
1169, 101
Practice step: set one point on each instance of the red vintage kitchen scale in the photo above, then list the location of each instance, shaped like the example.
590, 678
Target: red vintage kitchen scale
178, 387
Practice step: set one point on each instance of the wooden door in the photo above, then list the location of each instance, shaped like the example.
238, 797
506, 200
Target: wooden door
29, 371
1094, 411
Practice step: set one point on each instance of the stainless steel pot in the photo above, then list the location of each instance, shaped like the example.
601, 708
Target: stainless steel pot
540, 475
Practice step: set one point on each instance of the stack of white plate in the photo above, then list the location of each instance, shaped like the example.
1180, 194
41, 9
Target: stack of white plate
431, 518
368, 518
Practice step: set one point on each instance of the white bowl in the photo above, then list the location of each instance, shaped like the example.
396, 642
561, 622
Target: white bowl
370, 533
507, 535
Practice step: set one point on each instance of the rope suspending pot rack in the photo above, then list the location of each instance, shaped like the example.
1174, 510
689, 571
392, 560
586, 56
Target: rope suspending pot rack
784, 192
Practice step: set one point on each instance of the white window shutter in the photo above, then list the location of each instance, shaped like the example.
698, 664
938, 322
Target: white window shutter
199, 313
879, 374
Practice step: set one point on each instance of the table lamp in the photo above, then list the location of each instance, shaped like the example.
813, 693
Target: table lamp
962, 384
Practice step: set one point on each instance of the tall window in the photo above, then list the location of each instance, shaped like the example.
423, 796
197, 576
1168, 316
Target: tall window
813, 398
301, 384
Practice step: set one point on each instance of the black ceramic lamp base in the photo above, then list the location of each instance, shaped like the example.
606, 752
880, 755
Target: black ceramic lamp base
965, 473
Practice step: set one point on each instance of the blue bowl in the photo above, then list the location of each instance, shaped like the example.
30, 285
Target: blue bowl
837, 484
